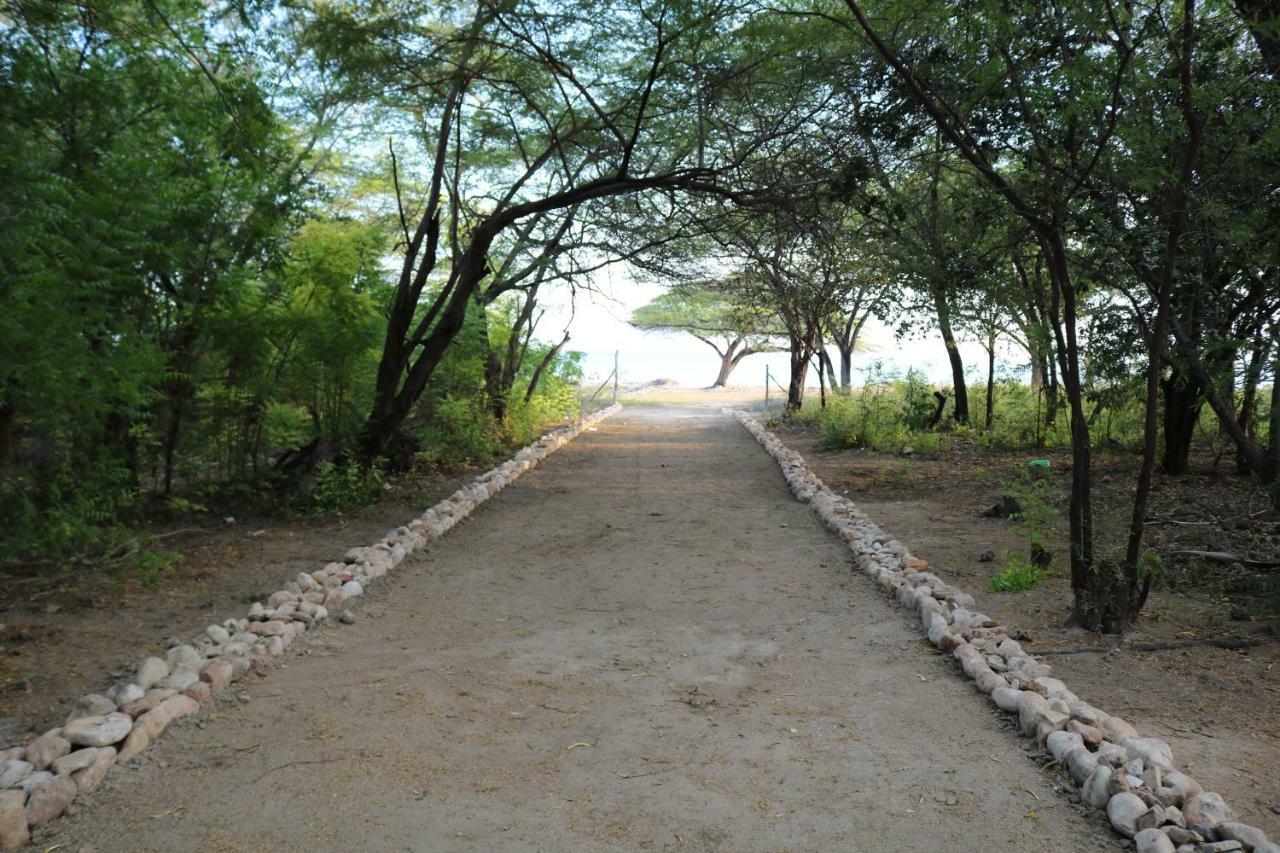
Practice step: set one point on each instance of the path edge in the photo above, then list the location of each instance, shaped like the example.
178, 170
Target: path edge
40, 779
1156, 805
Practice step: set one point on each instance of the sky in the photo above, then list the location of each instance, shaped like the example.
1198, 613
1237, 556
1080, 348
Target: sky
600, 326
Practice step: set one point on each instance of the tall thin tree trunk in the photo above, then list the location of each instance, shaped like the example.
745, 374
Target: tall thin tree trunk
1249, 399
799, 358
1273, 422
953, 356
7, 443
825, 357
542, 367
822, 382
991, 380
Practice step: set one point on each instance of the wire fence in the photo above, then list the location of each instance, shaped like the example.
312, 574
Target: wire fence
594, 402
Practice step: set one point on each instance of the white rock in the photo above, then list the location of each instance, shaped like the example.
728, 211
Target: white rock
1152, 841
98, 731
1250, 836
123, 694
14, 771
1094, 791
1080, 764
1123, 810
183, 655
49, 799
181, 678
78, 760
35, 779
218, 634
351, 589
45, 749
1059, 742
91, 705
1153, 752
150, 672
1006, 699
14, 832
1171, 788
1207, 809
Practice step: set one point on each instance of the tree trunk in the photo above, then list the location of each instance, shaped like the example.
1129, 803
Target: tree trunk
953, 355
846, 367
825, 358
822, 381
1262, 17
799, 371
1182, 402
1249, 400
7, 442
1273, 422
991, 380
542, 367
729, 359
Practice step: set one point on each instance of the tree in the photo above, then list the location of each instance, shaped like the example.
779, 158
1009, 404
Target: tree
1009, 114
527, 111
709, 314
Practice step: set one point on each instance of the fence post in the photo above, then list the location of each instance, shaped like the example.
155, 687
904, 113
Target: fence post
615, 376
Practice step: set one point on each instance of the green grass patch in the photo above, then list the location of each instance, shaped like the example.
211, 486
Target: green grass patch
1018, 575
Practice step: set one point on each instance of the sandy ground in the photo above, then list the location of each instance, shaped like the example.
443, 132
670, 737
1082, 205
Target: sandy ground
646, 644
1216, 707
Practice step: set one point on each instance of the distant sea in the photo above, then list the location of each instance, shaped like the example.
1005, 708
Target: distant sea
692, 370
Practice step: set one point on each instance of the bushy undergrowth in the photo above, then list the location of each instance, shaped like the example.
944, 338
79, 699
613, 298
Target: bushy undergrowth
888, 412
338, 486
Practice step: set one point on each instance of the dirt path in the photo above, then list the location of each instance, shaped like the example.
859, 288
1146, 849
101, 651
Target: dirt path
645, 645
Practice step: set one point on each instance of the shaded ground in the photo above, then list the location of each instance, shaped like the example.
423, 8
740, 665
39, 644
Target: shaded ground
62, 632
644, 644
1216, 707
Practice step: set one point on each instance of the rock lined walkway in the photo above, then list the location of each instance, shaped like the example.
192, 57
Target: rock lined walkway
645, 644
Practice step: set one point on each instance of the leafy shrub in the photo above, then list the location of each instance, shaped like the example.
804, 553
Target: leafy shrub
1018, 575
886, 415
341, 485
146, 565
1038, 503
64, 512
460, 433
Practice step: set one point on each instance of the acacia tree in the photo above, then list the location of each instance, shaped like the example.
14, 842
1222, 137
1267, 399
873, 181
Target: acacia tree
797, 265
708, 313
1056, 135
526, 110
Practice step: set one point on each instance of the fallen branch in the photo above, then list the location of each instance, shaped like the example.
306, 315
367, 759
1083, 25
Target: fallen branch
1228, 557
298, 763
1233, 643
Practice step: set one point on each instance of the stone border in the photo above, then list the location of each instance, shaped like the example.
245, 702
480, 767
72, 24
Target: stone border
1133, 779
39, 781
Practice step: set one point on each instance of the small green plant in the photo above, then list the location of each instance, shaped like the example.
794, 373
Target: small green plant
134, 557
341, 485
184, 506
1038, 506
1150, 565
1018, 575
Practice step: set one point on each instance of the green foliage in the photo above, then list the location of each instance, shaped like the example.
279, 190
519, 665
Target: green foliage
1018, 575
1036, 494
882, 414
339, 486
146, 565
